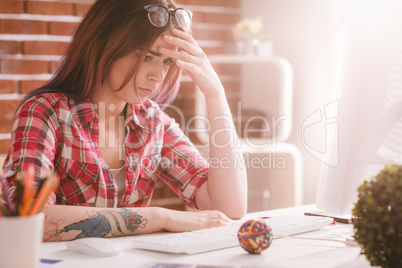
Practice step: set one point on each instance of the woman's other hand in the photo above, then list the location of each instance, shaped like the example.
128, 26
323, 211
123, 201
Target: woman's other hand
183, 221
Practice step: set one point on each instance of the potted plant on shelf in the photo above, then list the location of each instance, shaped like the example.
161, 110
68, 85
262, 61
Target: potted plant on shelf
249, 38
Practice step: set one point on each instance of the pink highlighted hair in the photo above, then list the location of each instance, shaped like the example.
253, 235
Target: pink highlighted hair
107, 32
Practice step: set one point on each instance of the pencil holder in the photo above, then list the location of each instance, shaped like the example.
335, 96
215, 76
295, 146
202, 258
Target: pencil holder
20, 241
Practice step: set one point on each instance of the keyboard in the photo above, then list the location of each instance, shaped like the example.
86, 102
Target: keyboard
224, 236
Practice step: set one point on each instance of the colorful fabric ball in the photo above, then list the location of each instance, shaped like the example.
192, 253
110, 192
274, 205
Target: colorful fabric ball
255, 236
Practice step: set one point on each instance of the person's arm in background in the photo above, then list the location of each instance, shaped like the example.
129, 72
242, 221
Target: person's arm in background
226, 187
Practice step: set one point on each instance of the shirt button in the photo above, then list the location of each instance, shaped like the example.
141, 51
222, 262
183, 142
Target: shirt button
130, 169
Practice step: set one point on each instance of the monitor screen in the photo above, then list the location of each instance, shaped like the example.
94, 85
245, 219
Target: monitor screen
367, 134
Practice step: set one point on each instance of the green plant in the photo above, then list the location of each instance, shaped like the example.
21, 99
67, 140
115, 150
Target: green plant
378, 218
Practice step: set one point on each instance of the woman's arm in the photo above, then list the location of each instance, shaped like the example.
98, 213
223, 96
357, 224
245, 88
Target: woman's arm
72, 222
226, 188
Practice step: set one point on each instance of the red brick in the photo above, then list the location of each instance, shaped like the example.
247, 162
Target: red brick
11, 7
53, 66
6, 125
9, 47
44, 48
29, 85
4, 145
220, 18
227, 3
214, 50
62, 28
8, 107
23, 67
205, 34
199, 17
81, 9
231, 3
8, 86
49, 8
23, 27
216, 18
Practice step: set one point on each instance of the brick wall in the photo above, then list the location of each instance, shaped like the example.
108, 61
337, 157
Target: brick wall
34, 34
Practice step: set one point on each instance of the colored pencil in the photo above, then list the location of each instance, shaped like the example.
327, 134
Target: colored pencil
29, 191
19, 192
49, 185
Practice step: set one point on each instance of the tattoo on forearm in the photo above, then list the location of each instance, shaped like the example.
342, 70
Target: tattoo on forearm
52, 224
117, 223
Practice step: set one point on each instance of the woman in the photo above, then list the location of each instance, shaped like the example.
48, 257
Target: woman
97, 124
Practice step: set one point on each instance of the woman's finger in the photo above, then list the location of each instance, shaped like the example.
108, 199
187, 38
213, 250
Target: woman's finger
188, 67
182, 45
185, 36
178, 55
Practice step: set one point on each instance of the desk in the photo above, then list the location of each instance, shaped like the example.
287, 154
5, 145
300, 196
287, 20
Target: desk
313, 249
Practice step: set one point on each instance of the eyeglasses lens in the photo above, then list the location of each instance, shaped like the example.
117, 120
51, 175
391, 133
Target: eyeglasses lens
183, 18
158, 16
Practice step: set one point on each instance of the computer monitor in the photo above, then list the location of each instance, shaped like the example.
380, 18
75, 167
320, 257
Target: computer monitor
367, 110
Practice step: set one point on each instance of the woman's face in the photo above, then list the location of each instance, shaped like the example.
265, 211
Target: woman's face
150, 76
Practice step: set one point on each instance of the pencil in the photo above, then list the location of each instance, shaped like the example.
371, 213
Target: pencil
48, 186
19, 191
29, 191
39, 185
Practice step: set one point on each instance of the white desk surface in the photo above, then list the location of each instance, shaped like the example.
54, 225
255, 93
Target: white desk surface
323, 248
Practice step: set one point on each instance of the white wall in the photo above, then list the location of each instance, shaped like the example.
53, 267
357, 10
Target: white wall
304, 32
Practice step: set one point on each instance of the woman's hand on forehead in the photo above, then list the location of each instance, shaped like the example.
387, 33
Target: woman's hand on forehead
185, 44
193, 60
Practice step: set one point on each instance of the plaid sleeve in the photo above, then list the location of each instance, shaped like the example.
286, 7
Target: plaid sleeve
33, 140
182, 167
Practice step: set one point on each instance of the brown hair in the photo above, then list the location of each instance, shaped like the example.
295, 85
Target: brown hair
109, 30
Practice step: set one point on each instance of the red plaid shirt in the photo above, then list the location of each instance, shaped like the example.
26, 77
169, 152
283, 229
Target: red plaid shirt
56, 134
